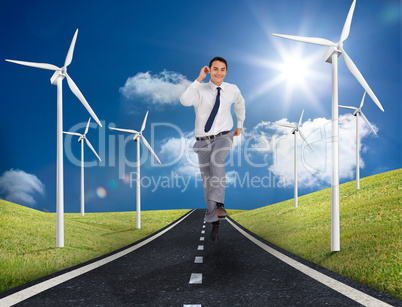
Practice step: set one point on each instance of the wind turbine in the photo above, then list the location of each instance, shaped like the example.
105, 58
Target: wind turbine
294, 131
56, 79
356, 113
81, 139
137, 137
331, 56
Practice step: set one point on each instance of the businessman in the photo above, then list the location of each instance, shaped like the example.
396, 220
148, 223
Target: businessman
212, 102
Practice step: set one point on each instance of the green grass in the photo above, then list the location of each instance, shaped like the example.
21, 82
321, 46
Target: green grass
370, 230
28, 239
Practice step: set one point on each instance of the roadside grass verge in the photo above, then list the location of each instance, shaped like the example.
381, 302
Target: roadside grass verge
370, 230
28, 239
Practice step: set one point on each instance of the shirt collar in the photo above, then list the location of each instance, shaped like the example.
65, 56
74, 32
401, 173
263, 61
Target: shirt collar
214, 86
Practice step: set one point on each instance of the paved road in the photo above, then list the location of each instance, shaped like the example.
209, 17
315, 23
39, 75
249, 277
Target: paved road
182, 267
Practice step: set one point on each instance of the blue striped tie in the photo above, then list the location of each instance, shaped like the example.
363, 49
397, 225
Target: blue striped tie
211, 118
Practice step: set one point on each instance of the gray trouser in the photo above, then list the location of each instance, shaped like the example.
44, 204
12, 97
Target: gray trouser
211, 159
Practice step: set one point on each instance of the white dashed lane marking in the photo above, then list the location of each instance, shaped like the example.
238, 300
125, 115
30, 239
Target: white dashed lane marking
196, 278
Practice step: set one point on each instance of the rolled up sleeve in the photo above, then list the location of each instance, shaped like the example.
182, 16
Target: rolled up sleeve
240, 109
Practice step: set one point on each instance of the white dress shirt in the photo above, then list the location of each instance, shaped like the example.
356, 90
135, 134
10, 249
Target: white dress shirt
203, 95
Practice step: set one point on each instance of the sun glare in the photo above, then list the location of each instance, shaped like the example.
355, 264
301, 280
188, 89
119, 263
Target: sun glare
293, 71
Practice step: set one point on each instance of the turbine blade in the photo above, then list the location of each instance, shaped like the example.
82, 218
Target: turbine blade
144, 122
305, 139
124, 130
346, 107
90, 146
355, 72
150, 149
70, 52
86, 129
36, 65
285, 125
368, 123
81, 97
348, 22
73, 133
301, 116
310, 40
361, 104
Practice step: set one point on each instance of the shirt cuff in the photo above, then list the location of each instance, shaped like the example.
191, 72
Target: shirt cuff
240, 124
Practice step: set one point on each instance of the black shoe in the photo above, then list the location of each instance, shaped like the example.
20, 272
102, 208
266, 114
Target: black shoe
214, 231
220, 211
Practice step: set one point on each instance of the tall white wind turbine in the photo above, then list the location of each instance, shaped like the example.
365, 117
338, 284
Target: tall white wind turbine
56, 79
356, 113
137, 137
81, 139
296, 129
335, 49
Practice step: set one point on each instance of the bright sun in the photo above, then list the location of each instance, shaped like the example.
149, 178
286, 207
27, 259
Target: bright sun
293, 72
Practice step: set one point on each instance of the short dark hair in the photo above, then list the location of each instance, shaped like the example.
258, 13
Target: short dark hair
218, 58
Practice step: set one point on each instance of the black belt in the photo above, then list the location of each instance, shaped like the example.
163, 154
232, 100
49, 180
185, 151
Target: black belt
211, 137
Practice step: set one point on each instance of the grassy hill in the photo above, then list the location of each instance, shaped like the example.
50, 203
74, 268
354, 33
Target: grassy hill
370, 230
28, 239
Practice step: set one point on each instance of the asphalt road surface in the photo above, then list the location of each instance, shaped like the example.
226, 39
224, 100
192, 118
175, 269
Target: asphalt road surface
182, 267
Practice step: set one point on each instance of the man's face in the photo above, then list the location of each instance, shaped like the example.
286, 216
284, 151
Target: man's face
218, 72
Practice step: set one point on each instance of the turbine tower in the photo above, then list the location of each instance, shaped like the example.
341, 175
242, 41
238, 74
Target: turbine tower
56, 79
81, 139
296, 129
137, 137
335, 49
356, 113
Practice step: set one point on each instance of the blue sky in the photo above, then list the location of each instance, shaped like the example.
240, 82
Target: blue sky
132, 57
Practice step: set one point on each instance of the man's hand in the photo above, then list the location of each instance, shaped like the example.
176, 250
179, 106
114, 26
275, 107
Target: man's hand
203, 73
237, 132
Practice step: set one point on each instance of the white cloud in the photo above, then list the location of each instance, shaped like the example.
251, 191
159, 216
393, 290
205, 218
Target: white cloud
162, 88
314, 168
179, 152
19, 187
272, 147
